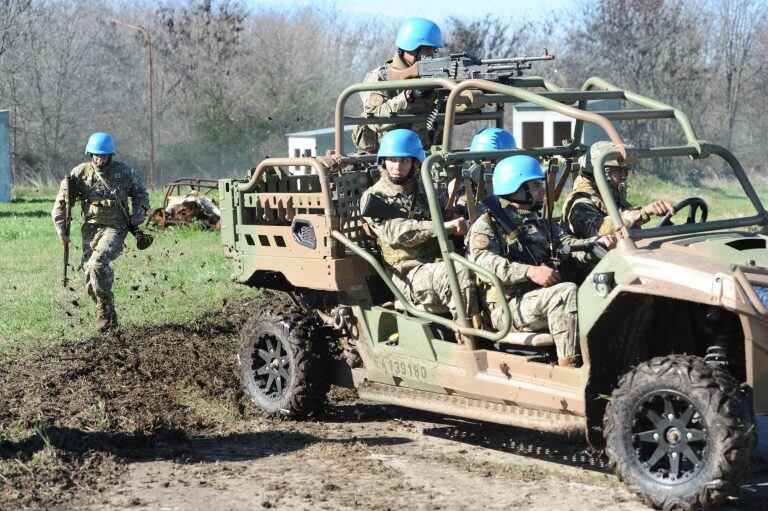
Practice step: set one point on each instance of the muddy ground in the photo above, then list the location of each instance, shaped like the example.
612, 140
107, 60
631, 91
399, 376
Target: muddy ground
154, 419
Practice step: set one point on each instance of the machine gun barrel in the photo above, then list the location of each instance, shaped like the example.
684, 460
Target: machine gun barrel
546, 56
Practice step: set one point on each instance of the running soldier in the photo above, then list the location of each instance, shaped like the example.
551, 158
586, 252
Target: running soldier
103, 186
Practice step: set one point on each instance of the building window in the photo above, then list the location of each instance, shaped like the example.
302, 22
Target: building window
561, 131
533, 134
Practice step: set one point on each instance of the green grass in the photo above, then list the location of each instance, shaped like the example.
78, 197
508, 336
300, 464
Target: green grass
183, 274
725, 199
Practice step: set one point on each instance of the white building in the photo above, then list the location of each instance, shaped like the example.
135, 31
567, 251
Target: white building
316, 143
534, 126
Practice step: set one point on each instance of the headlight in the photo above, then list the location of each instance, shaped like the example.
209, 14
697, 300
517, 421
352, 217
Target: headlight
762, 293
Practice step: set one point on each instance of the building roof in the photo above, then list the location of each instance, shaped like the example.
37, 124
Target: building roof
594, 106
314, 133
532, 106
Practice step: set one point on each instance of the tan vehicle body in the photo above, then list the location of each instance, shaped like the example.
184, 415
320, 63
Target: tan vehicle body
663, 292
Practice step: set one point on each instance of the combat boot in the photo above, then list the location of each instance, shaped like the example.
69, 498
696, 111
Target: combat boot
112, 316
106, 317
574, 361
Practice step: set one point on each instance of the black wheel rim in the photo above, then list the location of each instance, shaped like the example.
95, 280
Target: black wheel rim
669, 437
270, 365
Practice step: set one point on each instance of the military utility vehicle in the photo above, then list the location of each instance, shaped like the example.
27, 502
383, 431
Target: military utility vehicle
672, 323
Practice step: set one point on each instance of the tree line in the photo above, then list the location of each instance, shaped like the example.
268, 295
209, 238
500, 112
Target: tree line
231, 80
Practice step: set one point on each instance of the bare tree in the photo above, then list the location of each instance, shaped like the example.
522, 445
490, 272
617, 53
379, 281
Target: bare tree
10, 28
655, 47
489, 36
739, 25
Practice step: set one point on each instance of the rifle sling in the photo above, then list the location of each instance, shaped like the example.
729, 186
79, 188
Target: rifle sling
112, 193
493, 207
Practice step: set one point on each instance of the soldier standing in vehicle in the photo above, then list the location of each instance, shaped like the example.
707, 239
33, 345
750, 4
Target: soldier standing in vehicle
584, 212
417, 38
407, 238
103, 186
515, 242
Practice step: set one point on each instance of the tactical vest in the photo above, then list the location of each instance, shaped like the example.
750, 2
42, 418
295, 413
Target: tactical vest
535, 241
584, 190
407, 257
97, 205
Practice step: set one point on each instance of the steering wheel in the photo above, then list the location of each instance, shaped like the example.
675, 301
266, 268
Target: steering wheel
695, 203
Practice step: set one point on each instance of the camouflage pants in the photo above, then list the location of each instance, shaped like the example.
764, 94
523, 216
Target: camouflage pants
427, 285
101, 246
552, 308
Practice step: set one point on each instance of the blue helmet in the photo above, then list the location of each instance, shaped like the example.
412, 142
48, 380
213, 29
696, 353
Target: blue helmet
492, 139
400, 144
100, 143
417, 32
510, 173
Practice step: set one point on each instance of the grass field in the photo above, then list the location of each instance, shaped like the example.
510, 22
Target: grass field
182, 275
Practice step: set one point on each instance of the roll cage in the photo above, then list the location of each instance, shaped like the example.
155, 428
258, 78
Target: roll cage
555, 98
445, 155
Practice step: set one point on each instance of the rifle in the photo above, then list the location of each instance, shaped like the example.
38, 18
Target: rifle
143, 239
374, 207
465, 66
523, 253
67, 225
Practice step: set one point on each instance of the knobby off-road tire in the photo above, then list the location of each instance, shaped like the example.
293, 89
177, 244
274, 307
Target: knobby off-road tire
283, 361
680, 433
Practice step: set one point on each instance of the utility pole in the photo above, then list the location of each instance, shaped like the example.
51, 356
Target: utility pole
152, 175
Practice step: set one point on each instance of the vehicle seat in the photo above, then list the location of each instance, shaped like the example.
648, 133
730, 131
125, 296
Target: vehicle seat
537, 339
432, 309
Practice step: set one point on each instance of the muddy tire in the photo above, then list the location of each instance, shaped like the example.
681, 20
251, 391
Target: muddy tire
283, 361
680, 433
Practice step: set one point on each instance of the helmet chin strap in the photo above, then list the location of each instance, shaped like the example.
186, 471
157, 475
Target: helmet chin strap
400, 181
528, 202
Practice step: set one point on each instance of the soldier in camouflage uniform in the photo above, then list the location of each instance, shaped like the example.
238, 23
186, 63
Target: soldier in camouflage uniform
408, 244
417, 38
585, 214
513, 240
105, 223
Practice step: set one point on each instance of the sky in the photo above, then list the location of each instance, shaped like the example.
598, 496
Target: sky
434, 10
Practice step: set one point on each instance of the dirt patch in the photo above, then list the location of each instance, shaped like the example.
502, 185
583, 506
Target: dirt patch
155, 419
72, 412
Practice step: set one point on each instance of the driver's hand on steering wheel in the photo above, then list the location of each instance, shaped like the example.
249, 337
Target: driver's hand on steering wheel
659, 208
